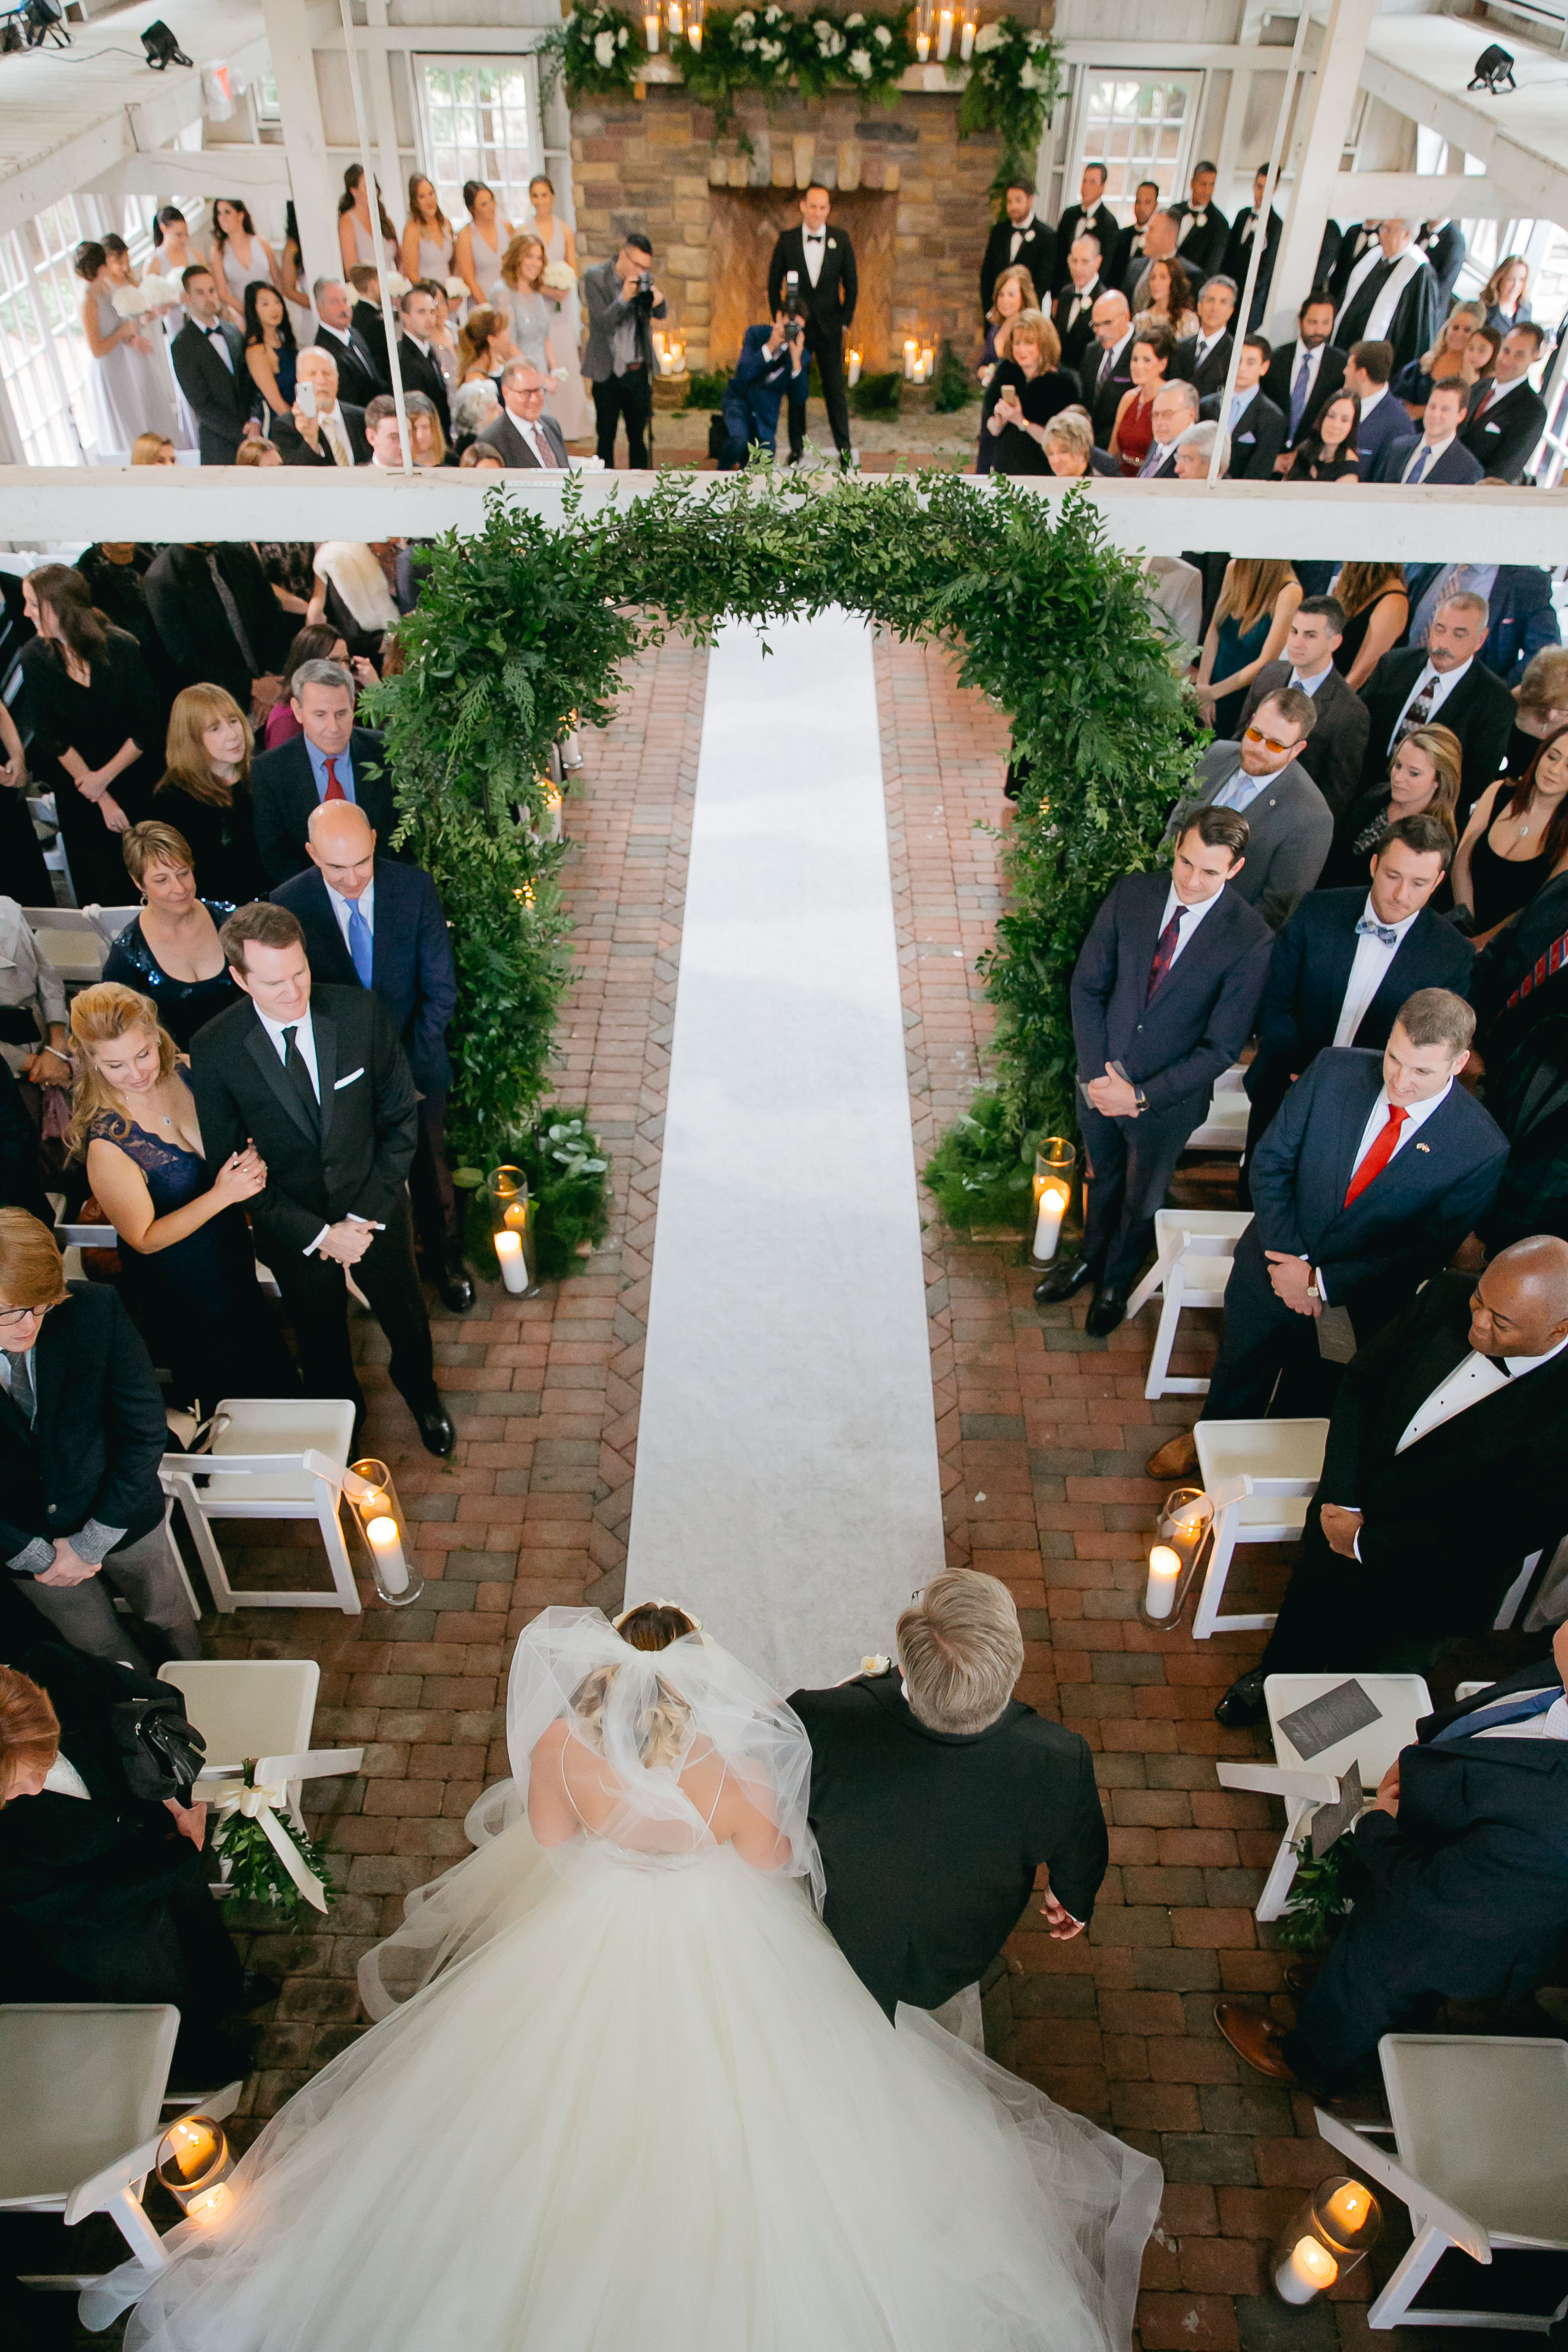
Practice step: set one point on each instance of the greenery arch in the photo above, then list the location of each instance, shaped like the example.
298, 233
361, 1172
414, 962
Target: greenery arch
521, 625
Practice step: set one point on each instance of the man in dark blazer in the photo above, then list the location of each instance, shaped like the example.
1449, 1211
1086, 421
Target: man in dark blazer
417, 366
1290, 823
1107, 374
1444, 683
359, 376
196, 621
1205, 230
367, 322
1521, 616
523, 432
1462, 1890
1074, 315
1443, 1473
1163, 995
1092, 213
1304, 374
332, 432
1519, 975
822, 261
1335, 752
208, 359
1506, 417
1437, 457
1325, 1235
1204, 359
332, 760
1124, 256
83, 1430
1255, 427
1384, 419
316, 1077
934, 1811
1443, 243
1238, 248
1347, 960
1018, 239
373, 922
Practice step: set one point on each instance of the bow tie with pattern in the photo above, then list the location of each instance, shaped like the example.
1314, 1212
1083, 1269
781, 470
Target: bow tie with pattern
1367, 929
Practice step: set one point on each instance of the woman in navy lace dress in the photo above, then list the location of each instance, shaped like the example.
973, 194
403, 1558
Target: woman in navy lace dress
187, 1265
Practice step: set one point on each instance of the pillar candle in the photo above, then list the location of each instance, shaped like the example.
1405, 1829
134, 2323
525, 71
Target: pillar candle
1049, 1224
381, 1534
944, 33
1306, 2269
509, 1250
1164, 1573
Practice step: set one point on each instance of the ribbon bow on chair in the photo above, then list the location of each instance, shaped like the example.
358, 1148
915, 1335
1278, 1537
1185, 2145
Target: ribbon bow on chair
262, 1800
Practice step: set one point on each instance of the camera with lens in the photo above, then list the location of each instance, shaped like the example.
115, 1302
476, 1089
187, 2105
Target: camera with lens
643, 298
793, 309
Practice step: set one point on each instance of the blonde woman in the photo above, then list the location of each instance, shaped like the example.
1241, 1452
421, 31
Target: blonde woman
187, 1263
152, 449
428, 242
1014, 291
1505, 295
1423, 781
1250, 624
204, 794
1377, 613
425, 431
1445, 359
1542, 700
1026, 391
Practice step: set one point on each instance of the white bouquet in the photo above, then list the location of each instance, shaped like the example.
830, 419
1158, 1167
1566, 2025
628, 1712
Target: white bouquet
560, 277
129, 301
160, 293
396, 285
456, 289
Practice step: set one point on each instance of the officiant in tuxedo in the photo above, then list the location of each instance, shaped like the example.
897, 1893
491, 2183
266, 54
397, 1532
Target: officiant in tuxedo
1392, 297
937, 1797
822, 261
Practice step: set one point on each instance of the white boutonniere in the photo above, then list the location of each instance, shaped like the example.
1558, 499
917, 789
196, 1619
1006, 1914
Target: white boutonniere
833, 245
875, 1665
1423, 1147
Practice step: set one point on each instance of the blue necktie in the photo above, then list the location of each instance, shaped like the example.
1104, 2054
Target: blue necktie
1235, 407
1419, 467
362, 946
1504, 1710
1372, 931
1299, 393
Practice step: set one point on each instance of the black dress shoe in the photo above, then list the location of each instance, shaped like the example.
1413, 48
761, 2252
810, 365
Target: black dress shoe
1107, 1315
455, 1286
1242, 1703
1062, 1282
436, 1433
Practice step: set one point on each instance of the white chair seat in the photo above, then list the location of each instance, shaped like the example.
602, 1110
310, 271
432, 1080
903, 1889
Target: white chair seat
1260, 1477
76, 940
79, 2084
248, 1706
282, 1425
1192, 1258
287, 1457
1224, 1127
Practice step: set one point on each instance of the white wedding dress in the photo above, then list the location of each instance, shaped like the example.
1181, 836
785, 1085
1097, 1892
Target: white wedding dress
641, 2101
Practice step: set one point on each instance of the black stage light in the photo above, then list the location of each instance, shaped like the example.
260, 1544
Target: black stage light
1494, 70
162, 47
44, 20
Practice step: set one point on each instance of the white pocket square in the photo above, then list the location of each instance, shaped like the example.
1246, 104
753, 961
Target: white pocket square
340, 1083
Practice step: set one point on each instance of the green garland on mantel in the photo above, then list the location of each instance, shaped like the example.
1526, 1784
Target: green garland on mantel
520, 624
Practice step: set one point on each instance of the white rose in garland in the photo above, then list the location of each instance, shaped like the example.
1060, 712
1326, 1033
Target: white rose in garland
861, 63
604, 49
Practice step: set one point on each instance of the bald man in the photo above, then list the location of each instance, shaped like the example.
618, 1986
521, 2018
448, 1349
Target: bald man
1443, 1474
375, 922
322, 430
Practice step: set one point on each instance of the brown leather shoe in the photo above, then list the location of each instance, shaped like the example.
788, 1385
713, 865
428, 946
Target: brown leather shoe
1177, 1458
1255, 2038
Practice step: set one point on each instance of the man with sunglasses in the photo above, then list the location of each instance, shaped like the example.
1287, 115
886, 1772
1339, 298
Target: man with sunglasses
1290, 824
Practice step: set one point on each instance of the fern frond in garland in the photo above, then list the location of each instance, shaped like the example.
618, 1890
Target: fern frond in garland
1318, 1899
257, 1873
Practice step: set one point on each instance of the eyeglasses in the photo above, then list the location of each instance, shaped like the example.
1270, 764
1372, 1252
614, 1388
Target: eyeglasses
11, 1316
1255, 735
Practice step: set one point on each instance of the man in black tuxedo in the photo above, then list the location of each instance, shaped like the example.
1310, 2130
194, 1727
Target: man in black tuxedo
332, 760
935, 1802
1461, 1884
1304, 374
1124, 258
327, 432
1335, 752
1255, 427
1092, 213
1205, 230
1237, 258
1443, 243
1507, 416
373, 922
1163, 995
83, 1430
1442, 684
1106, 376
1443, 1473
1347, 960
317, 1078
208, 359
1018, 238
523, 432
1204, 359
1354, 246
822, 262
219, 622
417, 362
1075, 305
366, 320
359, 375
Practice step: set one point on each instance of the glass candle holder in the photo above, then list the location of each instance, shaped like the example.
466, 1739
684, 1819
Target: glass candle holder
369, 1488
511, 1227
1335, 2229
1179, 1542
193, 2163
1056, 1162
694, 23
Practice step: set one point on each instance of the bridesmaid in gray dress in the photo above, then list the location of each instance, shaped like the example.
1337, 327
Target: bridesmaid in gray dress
130, 389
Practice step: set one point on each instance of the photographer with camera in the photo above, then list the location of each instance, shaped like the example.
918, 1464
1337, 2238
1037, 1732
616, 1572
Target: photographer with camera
619, 358
821, 261
772, 361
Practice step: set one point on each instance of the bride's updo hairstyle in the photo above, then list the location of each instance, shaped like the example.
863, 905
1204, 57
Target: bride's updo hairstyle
655, 1625
662, 1729
961, 1651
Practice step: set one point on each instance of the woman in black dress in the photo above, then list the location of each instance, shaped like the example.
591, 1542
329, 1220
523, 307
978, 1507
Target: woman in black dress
204, 794
94, 723
114, 571
1516, 839
1377, 612
1330, 455
170, 952
1026, 391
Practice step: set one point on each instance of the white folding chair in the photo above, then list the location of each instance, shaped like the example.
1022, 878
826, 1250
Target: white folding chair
260, 1707
1307, 1783
1259, 1476
1193, 1252
271, 1458
81, 2091
77, 939
1225, 1121
1479, 2125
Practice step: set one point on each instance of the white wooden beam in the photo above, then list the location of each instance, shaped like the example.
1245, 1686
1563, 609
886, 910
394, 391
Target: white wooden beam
1324, 118
198, 172
1418, 197
315, 182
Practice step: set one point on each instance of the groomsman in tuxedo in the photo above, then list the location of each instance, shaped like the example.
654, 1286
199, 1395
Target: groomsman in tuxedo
822, 262
1163, 995
1443, 243
364, 316
417, 362
1335, 750
1304, 374
1255, 427
1205, 230
1462, 1889
1018, 238
1354, 247
317, 1079
1075, 308
1444, 684
208, 360
1092, 213
359, 377
1239, 246
1507, 416
1124, 258
1373, 1173
1347, 960
1392, 297
1104, 381
1204, 359
1443, 1473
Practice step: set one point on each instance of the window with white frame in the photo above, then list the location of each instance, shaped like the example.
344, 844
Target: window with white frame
1139, 129
482, 122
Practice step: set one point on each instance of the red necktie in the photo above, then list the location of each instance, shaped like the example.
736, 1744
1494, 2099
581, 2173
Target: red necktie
334, 790
1165, 949
1379, 1154
1544, 967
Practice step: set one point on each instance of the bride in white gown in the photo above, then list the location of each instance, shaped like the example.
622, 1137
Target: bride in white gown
625, 2092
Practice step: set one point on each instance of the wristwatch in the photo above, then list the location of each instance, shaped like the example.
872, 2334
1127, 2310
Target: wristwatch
1140, 1099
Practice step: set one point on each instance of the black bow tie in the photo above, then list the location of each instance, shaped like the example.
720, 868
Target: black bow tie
815, 236
213, 331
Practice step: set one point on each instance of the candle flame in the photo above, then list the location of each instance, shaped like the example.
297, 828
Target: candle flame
1349, 2206
1164, 1561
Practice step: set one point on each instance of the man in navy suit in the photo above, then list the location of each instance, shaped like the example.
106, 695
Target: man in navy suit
1108, 374
373, 923
771, 359
1384, 419
1464, 1893
1163, 995
1439, 456
1255, 427
1520, 616
331, 761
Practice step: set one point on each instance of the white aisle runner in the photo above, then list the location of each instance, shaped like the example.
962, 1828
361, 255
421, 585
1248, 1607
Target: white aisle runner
787, 1483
